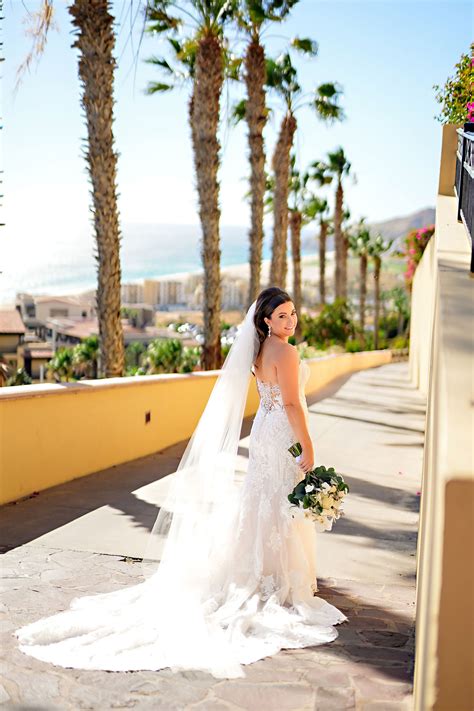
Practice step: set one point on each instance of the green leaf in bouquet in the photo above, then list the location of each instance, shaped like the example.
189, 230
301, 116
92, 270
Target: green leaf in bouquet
299, 489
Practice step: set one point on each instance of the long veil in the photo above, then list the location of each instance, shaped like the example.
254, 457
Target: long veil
193, 528
202, 605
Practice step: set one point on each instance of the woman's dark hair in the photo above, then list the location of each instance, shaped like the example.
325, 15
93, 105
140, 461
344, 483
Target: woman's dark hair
267, 302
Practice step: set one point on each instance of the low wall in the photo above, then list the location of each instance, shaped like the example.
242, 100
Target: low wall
52, 433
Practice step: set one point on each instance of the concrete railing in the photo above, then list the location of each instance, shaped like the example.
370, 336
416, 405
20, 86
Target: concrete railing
53, 433
441, 365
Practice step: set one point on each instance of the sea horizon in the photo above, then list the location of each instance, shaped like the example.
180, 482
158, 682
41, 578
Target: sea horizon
147, 252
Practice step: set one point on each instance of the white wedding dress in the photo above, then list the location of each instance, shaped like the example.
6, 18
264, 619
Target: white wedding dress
260, 599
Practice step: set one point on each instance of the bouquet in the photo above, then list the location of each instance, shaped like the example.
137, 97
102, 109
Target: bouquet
319, 495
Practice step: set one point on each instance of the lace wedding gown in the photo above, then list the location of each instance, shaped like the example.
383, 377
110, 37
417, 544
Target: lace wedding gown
259, 600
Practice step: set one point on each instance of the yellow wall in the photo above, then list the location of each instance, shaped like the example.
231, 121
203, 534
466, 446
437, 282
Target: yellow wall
52, 433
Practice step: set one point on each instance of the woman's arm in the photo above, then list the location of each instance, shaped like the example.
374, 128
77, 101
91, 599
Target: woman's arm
287, 366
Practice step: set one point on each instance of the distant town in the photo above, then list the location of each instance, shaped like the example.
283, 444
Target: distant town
34, 326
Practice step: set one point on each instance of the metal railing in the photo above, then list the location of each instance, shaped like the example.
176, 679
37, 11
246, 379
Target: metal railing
464, 181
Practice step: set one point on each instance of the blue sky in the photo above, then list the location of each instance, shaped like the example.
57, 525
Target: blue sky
385, 55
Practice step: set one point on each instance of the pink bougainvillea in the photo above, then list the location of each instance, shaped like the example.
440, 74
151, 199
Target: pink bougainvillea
415, 244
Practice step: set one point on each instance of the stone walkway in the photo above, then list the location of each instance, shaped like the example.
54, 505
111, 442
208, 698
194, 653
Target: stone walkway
80, 538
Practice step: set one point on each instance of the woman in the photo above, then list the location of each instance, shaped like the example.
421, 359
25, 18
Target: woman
236, 577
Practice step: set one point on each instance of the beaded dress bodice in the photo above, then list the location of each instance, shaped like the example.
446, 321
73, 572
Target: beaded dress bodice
270, 393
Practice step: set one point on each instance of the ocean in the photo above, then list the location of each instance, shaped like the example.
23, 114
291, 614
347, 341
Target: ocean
147, 251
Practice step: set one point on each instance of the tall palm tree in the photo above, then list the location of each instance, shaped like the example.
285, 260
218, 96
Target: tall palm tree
95, 41
282, 78
359, 240
317, 209
297, 217
253, 16
345, 231
338, 166
208, 19
376, 248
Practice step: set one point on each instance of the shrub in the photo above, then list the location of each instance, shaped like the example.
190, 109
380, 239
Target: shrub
354, 345
163, 355
399, 342
334, 325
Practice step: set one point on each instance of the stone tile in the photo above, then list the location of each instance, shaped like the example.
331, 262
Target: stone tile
375, 690
334, 699
266, 697
382, 638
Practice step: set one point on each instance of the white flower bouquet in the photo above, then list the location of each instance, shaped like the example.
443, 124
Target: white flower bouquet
319, 495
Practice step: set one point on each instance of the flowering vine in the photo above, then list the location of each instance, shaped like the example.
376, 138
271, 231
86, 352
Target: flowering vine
415, 244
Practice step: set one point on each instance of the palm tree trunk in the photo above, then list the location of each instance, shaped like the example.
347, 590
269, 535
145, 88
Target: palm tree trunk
205, 112
363, 293
338, 240
377, 301
255, 115
295, 230
344, 253
95, 41
322, 262
281, 168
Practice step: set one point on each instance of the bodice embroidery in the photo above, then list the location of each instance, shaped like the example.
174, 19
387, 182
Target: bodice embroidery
270, 393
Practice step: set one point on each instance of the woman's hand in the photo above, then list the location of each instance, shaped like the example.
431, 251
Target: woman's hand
306, 458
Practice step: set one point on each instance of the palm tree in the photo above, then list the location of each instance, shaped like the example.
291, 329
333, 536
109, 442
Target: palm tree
85, 356
282, 78
134, 352
95, 42
359, 240
298, 216
61, 365
19, 377
317, 209
345, 230
252, 17
319, 174
208, 20
376, 248
338, 166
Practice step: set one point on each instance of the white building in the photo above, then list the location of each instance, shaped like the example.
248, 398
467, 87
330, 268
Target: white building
164, 292
132, 293
63, 307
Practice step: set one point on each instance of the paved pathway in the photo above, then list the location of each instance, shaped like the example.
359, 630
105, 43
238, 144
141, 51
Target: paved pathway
80, 538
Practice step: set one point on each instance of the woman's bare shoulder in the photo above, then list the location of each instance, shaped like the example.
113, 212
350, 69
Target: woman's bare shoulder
285, 353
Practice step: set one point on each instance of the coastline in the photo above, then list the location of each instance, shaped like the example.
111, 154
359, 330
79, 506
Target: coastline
235, 271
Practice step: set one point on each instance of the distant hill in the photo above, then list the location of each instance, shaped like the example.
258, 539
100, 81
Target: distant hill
396, 229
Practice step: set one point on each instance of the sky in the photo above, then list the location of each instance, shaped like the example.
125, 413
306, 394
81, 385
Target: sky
386, 56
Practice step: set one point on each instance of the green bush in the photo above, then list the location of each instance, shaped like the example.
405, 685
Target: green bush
334, 325
399, 342
163, 355
354, 345
190, 358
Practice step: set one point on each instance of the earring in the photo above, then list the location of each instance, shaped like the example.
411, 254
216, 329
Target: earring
269, 330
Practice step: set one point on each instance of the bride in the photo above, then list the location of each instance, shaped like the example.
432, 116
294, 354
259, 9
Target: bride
229, 568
